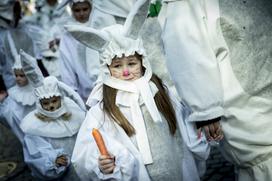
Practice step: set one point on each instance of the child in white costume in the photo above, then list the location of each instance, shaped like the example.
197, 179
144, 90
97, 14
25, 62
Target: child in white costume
79, 64
21, 100
154, 149
247, 117
50, 130
22, 93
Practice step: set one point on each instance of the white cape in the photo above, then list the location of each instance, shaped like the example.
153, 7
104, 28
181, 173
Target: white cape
57, 128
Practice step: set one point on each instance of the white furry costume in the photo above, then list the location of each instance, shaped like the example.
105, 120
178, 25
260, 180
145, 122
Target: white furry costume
44, 141
140, 157
197, 53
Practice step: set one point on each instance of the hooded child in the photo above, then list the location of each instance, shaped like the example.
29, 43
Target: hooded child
21, 99
143, 125
51, 129
79, 65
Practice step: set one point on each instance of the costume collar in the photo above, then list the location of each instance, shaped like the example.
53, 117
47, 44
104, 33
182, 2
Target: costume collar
133, 94
23, 95
57, 128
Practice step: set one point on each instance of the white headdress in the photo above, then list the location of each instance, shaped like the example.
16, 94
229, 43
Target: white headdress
31, 69
45, 88
58, 128
49, 86
117, 40
17, 64
71, 2
23, 95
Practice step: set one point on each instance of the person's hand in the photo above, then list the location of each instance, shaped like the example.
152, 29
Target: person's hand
61, 161
213, 131
106, 163
3, 95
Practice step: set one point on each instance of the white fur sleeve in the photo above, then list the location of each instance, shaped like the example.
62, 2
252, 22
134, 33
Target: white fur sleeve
197, 145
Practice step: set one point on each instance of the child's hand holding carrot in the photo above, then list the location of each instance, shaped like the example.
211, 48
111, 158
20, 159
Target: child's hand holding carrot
106, 162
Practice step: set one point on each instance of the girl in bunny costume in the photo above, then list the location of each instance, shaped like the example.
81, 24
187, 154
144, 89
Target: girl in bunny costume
79, 64
142, 123
50, 130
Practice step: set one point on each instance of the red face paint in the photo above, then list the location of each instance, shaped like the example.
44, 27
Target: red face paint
125, 73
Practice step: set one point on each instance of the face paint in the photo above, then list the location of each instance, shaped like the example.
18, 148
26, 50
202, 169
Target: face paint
125, 73
126, 68
51, 104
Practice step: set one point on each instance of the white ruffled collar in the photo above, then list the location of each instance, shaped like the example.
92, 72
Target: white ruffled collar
23, 95
58, 128
133, 94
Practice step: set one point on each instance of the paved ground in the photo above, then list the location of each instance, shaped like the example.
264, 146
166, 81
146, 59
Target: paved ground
218, 169
11, 150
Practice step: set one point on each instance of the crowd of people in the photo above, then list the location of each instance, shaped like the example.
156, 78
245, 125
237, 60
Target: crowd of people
64, 74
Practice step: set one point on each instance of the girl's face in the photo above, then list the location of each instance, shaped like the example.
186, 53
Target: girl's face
81, 11
126, 68
20, 77
51, 104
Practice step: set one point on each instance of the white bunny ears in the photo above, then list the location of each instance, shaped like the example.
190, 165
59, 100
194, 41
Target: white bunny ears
48, 86
31, 69
99, 39
116, 40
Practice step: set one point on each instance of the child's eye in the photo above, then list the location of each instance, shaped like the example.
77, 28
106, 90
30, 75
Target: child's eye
45, 103
117, 66
132, 63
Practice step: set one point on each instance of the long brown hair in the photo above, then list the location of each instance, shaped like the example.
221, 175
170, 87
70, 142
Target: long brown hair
162, 101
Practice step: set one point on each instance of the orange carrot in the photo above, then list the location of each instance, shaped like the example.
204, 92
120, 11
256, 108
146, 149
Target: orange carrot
100, 142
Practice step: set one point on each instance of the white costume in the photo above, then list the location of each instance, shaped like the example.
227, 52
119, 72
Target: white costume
73, 65
108, 12
57, 134
190, 54
6, 7
152, 153
79, 64
45, 141
39, 154
246, 117
22, 102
